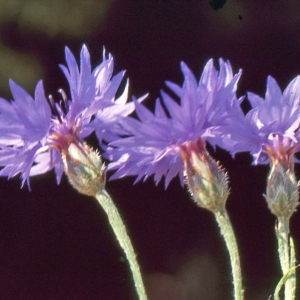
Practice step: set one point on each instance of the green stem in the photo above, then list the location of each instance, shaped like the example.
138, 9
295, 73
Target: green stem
123, 238
286, 256
292, 276
282, 281
229, 237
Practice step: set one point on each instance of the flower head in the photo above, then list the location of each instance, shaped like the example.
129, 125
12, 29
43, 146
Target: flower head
270, 130
206, 180
282, 193
84, 169
155, 143
35, 133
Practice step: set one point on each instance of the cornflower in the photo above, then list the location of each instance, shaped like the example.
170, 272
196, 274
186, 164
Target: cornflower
156, 141
270, 132
162, 144
37, 136
35, 133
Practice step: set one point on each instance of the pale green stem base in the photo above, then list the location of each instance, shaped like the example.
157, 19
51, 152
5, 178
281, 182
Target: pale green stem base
286, 256
123, 238
229, 237
292, 274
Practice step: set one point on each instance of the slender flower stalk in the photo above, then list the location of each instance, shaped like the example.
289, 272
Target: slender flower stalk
162, 144
230, 240
287, 261
120, 231
285, 276
292, 271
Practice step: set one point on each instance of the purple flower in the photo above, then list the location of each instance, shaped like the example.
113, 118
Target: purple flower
270, 129
34, 134
155, 144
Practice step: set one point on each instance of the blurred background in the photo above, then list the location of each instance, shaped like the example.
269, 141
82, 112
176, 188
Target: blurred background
57, 244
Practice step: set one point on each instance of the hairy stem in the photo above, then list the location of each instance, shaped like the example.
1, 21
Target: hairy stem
229, 237
286, 256
123, 239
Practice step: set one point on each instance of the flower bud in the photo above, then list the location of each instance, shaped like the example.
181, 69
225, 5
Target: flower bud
282, 191
84, 168
206, 180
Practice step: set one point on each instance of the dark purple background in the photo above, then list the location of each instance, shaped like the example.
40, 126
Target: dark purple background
57, 244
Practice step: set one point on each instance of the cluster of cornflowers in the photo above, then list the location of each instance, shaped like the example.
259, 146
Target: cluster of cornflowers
40, 134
